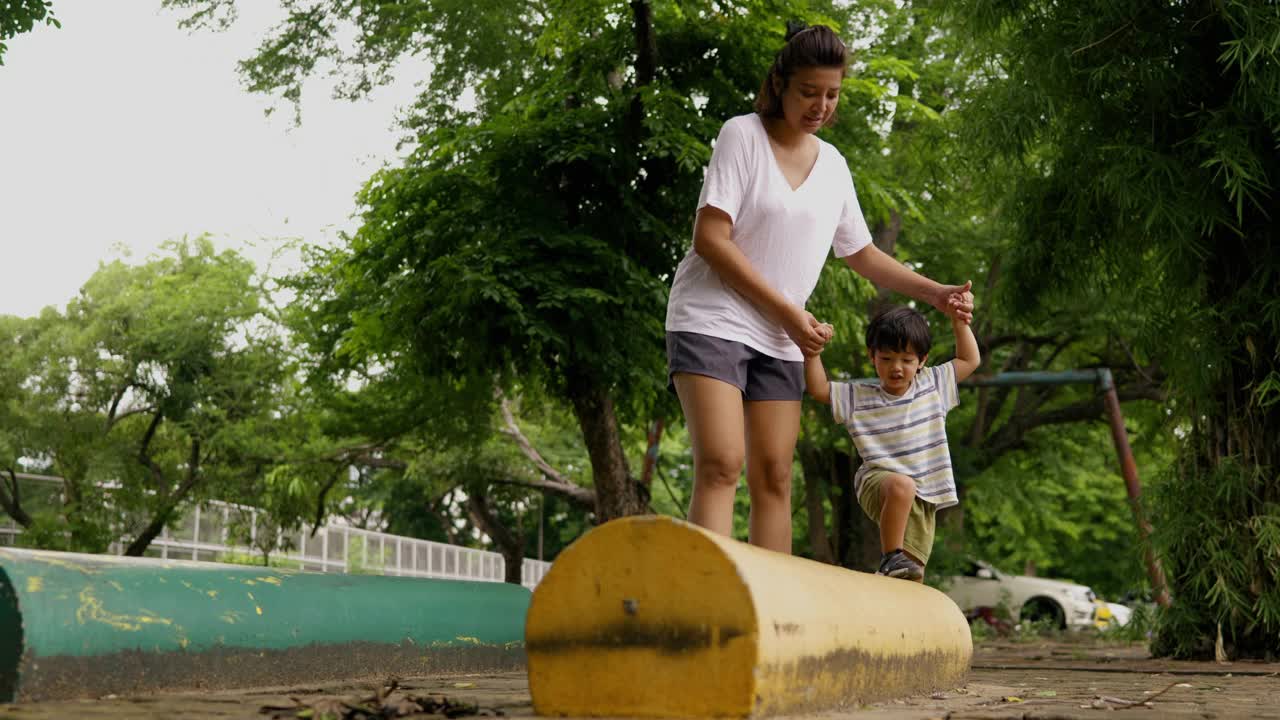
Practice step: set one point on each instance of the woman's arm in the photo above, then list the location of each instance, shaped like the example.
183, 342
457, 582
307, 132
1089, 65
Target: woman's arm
873, 264
713, 242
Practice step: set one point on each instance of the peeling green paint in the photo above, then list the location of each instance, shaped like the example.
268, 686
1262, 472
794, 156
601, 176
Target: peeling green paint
55, 605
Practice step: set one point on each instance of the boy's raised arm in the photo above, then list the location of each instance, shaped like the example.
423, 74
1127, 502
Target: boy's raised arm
968, 357
815, 379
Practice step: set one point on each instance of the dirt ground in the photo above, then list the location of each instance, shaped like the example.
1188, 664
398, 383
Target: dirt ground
1043, 680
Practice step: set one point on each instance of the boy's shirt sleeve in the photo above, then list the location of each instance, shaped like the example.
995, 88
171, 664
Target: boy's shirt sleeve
944, 378
841, 401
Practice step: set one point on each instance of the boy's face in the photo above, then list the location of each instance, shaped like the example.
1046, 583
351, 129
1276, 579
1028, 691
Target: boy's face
896, 369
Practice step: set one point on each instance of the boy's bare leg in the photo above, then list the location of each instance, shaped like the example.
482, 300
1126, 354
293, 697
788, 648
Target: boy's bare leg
772, 429
897, 493
713, 413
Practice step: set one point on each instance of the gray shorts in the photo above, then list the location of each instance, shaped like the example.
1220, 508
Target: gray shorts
758, 376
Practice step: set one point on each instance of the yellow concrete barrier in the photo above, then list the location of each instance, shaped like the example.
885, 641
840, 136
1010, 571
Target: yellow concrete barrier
651, 616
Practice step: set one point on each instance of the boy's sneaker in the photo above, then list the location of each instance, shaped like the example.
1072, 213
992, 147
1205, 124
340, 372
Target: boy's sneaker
898, 564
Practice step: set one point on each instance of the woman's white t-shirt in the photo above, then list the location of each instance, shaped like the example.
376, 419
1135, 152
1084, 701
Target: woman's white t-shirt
784, 233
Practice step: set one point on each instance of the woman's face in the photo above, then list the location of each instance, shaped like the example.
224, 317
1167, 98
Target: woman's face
809, 100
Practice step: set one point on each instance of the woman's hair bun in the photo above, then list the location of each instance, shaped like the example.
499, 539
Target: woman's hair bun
794, 27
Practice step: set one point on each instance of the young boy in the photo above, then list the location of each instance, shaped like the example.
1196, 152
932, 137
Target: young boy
899, 428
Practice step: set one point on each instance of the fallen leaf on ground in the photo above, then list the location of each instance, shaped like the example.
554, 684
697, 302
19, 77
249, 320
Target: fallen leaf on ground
386, 704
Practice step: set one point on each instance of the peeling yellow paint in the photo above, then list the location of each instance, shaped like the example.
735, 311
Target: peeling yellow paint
606, 635
269, 580
250, 582
212, 593
35, 583
259, 609
115, 585
468, 639
231, 617
91, 609
188, 585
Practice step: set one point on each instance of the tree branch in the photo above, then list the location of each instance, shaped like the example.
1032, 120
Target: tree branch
1014, 432
996, 341
324, 492
115, 404
11, 499
128, 413
364, 455
450, 532
555, 482
144, 452
585, 497
513, 430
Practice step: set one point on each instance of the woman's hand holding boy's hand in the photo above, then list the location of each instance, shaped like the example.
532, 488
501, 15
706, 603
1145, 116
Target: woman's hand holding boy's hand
805, 331
955, 301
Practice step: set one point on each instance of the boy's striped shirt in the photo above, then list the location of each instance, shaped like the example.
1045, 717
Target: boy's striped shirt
907, 434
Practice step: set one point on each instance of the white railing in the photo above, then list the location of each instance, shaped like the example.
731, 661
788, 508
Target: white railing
208, 532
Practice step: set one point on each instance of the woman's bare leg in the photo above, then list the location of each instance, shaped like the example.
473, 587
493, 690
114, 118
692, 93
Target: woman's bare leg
713, 413
772, 429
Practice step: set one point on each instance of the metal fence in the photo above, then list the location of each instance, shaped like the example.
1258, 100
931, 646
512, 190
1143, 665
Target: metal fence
215, 531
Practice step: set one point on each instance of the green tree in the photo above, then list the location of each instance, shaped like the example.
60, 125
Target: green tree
533, 237
19, 16
530, 237
933, 208
1147, 133
156, 388
1058, 507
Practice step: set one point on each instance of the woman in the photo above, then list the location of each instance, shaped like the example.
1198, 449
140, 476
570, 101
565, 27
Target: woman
774, 200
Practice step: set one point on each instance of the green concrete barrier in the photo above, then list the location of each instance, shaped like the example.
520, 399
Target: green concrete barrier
90, 625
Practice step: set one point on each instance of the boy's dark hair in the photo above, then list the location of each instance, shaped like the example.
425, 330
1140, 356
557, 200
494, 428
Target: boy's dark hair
807, 46
899, 329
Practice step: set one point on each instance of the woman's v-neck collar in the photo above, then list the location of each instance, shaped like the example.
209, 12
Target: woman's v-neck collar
777, 168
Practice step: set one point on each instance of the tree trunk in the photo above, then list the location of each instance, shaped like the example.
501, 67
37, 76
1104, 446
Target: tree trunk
151, 531
857, 539
813, 464
652, 447
646, 60
865, 553
885, 237
618, 494
510, 544
163, 515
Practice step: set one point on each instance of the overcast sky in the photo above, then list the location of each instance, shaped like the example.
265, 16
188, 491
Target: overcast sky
121, 129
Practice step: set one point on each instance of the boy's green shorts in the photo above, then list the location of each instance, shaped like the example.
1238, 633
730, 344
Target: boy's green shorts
920, 521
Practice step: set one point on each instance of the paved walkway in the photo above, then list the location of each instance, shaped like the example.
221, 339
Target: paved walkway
1047, 681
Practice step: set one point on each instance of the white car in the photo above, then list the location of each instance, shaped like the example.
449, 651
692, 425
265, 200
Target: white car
1120, 614
1068, 605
